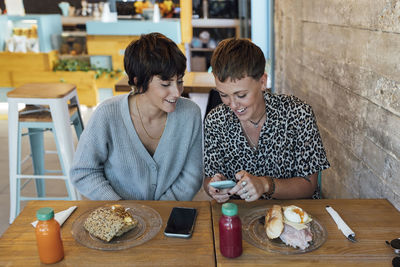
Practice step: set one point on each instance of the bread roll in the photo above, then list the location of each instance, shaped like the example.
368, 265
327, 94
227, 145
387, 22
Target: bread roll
274, 222
108, 222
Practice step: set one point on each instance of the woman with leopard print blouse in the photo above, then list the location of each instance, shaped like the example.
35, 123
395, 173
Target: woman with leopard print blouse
268, 144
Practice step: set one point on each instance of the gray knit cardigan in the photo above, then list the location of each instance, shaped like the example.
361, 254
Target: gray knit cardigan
111, 163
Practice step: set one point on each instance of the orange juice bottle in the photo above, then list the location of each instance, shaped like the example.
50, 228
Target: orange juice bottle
48, 237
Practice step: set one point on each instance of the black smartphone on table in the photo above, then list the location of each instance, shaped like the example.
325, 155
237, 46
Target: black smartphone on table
181, 222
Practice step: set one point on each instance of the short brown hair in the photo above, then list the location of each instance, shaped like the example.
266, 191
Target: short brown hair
237, 58
153, 54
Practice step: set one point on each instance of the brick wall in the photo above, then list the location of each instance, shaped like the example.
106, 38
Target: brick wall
343, 58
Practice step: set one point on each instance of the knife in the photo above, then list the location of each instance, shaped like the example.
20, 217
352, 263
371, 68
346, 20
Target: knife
342, 226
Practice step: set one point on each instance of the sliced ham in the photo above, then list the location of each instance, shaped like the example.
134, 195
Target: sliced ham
296, 238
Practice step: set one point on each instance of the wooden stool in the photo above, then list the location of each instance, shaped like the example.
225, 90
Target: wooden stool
49, 106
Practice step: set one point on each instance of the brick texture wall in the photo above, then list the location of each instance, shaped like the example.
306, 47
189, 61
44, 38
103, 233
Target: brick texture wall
343, 58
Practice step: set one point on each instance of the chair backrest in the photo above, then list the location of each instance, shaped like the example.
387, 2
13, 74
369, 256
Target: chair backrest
320, 183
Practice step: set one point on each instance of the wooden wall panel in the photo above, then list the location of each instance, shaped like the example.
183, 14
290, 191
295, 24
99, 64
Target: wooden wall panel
111, 45
27, 61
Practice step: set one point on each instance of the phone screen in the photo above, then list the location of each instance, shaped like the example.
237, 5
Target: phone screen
181, 222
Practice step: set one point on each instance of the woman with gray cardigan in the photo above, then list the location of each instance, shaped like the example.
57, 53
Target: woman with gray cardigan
145, 145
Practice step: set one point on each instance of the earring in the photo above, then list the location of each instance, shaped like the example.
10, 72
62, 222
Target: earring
134, 89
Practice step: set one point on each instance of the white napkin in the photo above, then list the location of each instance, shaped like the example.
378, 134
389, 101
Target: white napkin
342, 226
61, 216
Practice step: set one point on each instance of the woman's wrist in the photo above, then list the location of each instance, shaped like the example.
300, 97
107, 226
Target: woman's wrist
272, 186
269, 189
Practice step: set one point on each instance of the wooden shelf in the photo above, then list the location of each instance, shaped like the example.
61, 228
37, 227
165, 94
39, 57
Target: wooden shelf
201, 49
215, 23
73, 21
74, 33
83, 57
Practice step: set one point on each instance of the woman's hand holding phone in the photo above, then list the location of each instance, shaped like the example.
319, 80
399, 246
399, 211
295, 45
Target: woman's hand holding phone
219, 194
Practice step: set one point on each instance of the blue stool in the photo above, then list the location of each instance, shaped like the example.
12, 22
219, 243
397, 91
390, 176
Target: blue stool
49, 107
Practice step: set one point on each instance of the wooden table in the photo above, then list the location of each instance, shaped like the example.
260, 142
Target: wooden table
373, 221
193, 82
18, 243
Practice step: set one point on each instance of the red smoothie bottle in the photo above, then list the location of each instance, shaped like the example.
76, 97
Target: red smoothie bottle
230, 231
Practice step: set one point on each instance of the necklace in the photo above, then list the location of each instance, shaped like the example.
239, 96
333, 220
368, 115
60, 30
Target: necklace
248, 138
255, 123
144, 128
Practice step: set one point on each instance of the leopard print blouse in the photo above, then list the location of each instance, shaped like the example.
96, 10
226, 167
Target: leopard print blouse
289, 145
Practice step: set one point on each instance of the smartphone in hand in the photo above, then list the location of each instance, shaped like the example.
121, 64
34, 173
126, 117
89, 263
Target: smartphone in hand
181, 222
223, 184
